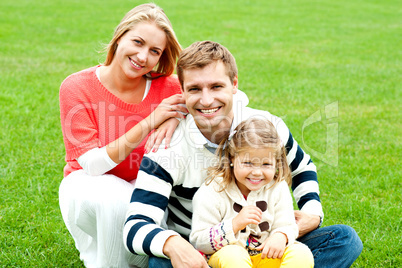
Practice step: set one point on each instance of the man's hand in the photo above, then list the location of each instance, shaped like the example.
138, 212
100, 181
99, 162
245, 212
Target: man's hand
306, 222
182, 254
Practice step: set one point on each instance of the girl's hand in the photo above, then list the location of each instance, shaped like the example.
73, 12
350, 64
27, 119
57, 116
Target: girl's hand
169, 107
274, 246
247, 215
164, 131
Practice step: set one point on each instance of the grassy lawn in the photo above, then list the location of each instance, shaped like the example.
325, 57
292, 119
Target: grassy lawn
331, 69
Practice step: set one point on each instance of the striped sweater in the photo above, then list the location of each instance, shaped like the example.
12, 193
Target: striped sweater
168, 179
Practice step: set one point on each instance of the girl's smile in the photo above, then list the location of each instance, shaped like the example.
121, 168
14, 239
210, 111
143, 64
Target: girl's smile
254, 168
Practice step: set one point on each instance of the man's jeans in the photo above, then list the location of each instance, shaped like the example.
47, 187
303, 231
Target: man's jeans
155, 262
332, 246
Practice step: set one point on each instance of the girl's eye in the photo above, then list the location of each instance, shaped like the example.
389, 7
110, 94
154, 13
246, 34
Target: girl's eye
248, 164
137, 42
268, 165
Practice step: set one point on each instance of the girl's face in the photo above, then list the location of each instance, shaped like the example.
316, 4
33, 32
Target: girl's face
140, 49
254, 168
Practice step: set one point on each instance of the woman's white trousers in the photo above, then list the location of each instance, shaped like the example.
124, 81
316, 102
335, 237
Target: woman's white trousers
94, 211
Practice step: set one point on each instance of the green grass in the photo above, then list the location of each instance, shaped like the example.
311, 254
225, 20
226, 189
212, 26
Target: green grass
295, 58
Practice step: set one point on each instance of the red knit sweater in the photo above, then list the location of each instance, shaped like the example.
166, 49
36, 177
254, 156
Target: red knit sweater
93, 117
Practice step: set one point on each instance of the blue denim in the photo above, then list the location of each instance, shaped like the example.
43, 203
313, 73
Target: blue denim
333, 246
155, 262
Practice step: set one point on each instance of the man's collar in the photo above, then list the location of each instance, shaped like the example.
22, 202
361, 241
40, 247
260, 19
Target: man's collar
198, 138
195, 134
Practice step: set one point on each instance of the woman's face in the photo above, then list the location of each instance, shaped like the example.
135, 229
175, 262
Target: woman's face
139, 50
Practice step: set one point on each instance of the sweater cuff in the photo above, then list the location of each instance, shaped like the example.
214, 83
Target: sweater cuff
96, 161
159, 241
229, 235
313, 207
289, 234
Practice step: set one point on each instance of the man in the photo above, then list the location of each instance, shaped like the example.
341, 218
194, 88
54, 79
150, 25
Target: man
168, 179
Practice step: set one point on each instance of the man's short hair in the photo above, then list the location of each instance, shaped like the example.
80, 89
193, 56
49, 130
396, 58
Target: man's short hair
202, 53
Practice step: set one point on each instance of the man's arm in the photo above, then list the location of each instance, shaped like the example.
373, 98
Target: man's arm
303, 171
142, 232
304, 178
182, 254
306, 222
305, 187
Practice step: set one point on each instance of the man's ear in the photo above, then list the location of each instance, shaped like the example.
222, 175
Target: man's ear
235, 84
181, 83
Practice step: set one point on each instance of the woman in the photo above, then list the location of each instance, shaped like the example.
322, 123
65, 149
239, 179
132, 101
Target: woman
107, 111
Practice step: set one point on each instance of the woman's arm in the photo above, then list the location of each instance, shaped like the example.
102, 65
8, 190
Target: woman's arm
96, 161
119, 149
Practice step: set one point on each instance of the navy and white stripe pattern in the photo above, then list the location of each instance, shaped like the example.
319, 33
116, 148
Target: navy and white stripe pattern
170, 187
304, 178
148, 208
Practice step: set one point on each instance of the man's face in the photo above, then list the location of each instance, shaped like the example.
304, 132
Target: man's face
209, 98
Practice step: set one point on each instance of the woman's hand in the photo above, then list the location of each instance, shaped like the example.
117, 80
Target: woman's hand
274, 246
247, 215
169, 107
164, 131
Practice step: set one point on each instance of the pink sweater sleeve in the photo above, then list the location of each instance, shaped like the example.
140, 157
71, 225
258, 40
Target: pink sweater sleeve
77, 115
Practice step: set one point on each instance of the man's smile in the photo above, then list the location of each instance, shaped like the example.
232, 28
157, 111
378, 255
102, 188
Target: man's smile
208, 111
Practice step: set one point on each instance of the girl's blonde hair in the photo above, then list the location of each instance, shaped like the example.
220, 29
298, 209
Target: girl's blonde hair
250, 134
153, 14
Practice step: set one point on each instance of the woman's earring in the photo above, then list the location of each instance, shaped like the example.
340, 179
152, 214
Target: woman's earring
231, 164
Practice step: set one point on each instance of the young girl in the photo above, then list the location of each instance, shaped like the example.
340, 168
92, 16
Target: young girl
243, 215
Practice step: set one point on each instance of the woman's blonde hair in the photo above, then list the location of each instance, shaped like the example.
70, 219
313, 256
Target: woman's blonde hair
250, 134
153, 14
